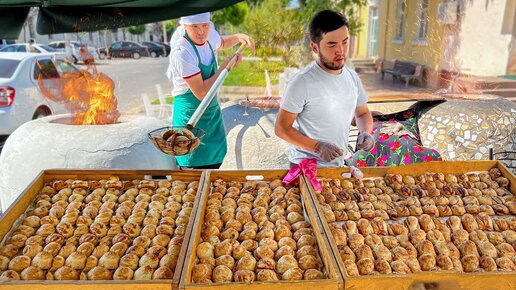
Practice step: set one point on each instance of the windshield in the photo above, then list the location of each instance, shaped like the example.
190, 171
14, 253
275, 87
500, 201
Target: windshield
8, 67
47, 48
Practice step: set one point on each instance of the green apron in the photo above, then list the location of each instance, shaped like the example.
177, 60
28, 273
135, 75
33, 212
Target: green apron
213, 146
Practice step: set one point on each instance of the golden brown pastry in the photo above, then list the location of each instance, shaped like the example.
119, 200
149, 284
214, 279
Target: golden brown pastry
417, 236
201, 273
309, 262
509, 236
293, 274
285, 263
382, 266
222, 273
470, 263
244, 276
365, 266
427, 262
33, 273
505, 264
468, 248
99, 273
205, 250
459, 236
355, 240
43, 260
66, 273
9, 275
249, 245
444, 262
488, 263
351, 268
247, 262
19, 263
30, 250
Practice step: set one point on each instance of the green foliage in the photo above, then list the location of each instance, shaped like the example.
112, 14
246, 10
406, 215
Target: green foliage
349, 8
274, 27
137, 29
170, 27
235, 14
252, 73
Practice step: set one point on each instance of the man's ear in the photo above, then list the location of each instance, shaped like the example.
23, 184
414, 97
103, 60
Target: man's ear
314, 46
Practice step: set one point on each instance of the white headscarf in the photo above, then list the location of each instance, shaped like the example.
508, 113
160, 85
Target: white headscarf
176, 39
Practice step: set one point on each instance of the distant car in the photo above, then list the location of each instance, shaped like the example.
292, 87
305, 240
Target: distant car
166, 45
155, 49
21, 99
80, 52
124, 49
4, 42
37, 47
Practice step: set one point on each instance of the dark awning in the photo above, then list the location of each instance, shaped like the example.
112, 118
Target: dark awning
59, 16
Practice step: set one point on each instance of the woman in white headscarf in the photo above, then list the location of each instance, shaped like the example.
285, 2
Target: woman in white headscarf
193, 69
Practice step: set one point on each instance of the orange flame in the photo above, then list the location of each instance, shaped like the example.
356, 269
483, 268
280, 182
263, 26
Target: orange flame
88, 95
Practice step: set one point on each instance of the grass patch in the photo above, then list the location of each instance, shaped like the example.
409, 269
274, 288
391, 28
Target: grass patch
252, 73
170, 101
510, 77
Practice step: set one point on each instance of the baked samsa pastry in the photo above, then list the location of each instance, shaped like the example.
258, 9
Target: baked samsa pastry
19, 263
33, 273
66, 273
246, 276
109, 260
9, 275
488, 263
505, 264
470, 263
99, 273
123, 273
444, 262
293, 274
162, 273
222, 273
43, 260
365, 266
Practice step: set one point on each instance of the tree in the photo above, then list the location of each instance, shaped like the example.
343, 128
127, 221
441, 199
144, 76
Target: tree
137, 30
350, 9
276, 30
234, 14
171, 27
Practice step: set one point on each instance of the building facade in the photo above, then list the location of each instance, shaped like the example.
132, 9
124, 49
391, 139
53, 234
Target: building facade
466, 37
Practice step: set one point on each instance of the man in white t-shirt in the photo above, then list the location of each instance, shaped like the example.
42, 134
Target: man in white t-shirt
320, 102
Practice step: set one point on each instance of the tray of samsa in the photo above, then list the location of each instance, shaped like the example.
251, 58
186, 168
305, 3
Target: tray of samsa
97, 229
451, 225
254, 232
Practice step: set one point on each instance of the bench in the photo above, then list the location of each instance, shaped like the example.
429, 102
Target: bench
406, 71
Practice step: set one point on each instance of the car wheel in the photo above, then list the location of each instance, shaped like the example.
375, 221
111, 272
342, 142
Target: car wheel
136, 55
41, 112
153, 54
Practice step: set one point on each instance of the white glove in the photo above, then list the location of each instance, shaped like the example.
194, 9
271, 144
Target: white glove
328, 151
365, 141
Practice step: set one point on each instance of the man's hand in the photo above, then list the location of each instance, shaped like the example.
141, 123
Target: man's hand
246, 39
328, 151
365, 141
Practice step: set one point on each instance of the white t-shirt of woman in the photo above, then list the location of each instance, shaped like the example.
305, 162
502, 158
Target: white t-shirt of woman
184, 62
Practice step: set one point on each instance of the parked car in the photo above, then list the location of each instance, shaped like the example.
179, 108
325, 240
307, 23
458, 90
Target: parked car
38, 48
80, 52
124, 49
21, 99
155, 49
166, 45
4, 42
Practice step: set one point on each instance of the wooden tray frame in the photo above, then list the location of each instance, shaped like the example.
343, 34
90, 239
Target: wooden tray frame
441, 280
20, 205
334, 280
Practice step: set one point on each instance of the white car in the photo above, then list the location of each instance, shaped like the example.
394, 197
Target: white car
24, 47
21, 99
75, 47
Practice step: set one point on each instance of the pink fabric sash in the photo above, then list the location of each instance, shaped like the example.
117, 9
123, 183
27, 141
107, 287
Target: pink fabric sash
309, 168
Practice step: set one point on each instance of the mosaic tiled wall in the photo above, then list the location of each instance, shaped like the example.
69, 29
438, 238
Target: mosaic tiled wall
466, 129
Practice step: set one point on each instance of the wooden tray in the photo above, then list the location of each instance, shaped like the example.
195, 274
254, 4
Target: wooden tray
18, 208
435, 280
334, 281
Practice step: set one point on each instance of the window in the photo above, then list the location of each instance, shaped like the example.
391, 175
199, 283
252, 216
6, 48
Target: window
45, 68
401, 9
22, 48
8, 67
422, 20
64, 66
10, 48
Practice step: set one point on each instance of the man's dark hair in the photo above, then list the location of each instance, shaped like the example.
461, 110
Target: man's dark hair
324, 22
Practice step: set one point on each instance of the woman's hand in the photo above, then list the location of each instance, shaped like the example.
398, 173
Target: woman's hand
247, 40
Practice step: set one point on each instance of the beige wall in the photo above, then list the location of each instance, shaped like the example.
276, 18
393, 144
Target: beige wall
484, 45
483, 42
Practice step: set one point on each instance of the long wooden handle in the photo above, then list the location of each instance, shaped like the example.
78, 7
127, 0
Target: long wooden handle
213, 90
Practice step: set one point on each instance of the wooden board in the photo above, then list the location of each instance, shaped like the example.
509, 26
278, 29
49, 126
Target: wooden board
334, 280
18, 208
437, 280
